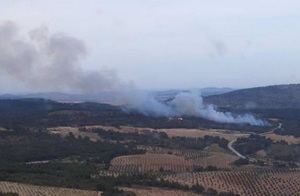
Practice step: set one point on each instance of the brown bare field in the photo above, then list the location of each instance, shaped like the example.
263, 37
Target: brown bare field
32, 190
151, 191
228, 135
287, 138
65, 131
245, 182
149, 162
219, 160
261, 153
178, 132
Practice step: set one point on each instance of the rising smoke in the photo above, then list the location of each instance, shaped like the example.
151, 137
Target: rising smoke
53, 62
187, 104
50, 62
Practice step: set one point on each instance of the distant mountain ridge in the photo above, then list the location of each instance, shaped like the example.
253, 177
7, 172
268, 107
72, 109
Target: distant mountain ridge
107, 97
269, 97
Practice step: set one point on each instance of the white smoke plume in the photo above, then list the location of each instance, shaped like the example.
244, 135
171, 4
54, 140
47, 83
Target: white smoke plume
188, 104
53, 62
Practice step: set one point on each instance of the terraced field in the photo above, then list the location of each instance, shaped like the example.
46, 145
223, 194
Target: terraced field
258, 182
32, 190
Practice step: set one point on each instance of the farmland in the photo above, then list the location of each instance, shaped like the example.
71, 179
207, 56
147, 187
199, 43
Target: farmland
31, 190
246, 182
212, 156
150, 163
82, 148
177, 132
151, 191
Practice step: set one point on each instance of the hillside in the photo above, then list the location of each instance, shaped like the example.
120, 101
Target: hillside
269, 97
106, 97
16, 113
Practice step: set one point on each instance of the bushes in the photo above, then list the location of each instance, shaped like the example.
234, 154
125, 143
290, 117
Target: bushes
241, 162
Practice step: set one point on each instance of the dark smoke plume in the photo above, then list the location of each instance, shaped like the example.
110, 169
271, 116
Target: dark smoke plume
45, 61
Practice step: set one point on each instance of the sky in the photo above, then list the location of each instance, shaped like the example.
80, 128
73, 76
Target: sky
163, 44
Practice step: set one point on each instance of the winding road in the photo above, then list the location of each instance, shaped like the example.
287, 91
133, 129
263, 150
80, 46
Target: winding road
230, 147
234, 150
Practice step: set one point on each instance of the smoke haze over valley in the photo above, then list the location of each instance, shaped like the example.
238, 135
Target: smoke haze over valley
156, 97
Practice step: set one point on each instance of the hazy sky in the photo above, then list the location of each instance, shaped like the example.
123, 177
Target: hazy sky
175, 44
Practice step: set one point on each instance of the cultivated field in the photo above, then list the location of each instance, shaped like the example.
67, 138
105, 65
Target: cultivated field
213, 156
151, 191
31, 190
65, 131
245, 182
187, 154
148, 162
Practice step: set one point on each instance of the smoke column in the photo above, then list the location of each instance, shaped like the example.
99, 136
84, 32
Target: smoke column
187, 104
53, 62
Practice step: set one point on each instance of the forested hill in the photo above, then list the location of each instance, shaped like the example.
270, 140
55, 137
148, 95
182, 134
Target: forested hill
269, 97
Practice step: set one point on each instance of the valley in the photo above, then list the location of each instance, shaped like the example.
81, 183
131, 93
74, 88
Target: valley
101, 149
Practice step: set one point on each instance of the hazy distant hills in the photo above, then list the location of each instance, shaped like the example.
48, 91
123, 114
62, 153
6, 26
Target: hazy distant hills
270, 97
107, 97
104, 97
170, 94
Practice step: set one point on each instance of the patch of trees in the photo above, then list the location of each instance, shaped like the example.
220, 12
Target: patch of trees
69, 175
284, 152
241, 162
25, 146
153, 138
290, 127
252, 144
277, 150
